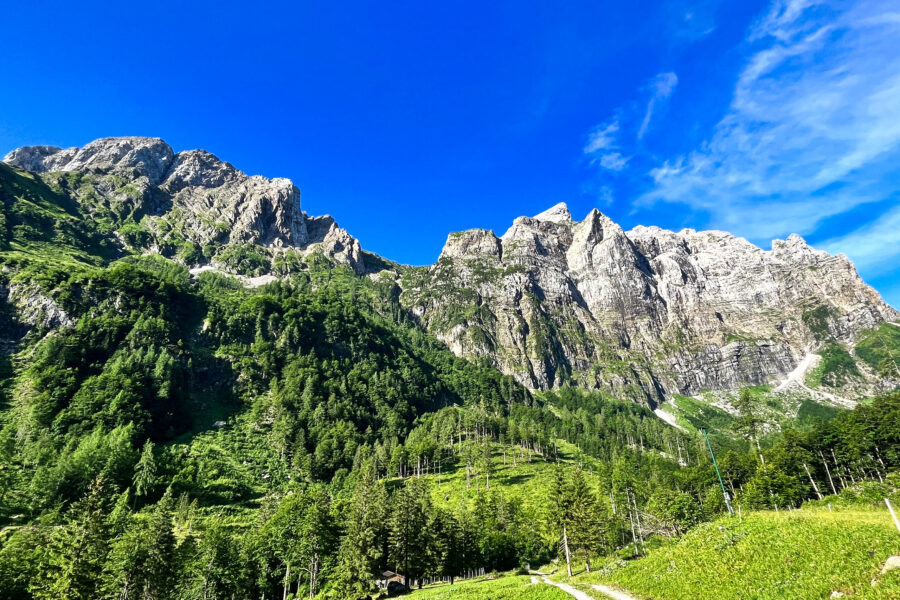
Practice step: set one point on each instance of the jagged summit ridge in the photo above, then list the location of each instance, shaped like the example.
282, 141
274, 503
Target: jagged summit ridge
147, 157
191, 195
676, 312
644, 313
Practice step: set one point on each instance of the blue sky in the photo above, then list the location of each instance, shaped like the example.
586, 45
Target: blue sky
407, 120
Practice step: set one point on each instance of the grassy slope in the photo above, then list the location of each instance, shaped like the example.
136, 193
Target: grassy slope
504, 588
39, 223
527, 482
780, 410
805, 554
880, 349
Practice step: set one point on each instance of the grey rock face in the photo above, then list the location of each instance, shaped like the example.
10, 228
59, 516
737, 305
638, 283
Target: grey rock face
132, 157
644, 313
334, 242
189, 196
34, 308
40, 159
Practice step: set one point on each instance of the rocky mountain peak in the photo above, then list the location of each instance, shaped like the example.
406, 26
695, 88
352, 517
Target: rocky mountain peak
124, 156
38, 159
192, 196
672, 312
199, 168
555, 214
473, 243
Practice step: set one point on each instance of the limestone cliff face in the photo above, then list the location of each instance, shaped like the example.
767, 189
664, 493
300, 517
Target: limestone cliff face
190, 196
645, 313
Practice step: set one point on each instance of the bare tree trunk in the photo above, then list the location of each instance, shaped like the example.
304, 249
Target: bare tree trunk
840, 474
566, 548
759, 450
828, 471
813, 482
313, 574
637, 517
633, 534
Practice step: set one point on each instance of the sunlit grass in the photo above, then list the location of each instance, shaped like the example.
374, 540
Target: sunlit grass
804, 554
504, 588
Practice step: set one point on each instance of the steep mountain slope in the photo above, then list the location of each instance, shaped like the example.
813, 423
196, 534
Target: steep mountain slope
189, 203
168, 427
645, 313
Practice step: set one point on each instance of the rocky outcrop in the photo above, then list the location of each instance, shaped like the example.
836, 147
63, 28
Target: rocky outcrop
33, 307
190, 196
645, 313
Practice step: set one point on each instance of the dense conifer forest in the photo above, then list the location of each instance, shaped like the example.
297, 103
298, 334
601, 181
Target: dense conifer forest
178, 436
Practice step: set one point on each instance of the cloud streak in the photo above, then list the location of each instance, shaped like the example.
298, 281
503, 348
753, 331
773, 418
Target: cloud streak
875, 247
605, 142
813, 128
663, 85
603, 147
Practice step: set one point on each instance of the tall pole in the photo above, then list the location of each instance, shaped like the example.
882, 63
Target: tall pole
719, 475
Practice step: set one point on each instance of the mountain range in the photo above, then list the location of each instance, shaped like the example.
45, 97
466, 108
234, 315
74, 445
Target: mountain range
646, 314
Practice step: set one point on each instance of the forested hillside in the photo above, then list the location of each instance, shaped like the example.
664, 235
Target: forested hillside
200, 435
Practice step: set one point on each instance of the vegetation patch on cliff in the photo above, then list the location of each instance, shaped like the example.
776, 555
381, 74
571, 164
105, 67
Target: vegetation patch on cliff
880, 349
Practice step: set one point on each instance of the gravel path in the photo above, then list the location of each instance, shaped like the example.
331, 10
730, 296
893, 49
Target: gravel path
614, 594
579, 595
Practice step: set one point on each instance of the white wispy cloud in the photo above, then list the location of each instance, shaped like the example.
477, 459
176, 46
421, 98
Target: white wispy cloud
662, 85
875, 247
692, 20
607, 143
813, 128
603, 147
602, 137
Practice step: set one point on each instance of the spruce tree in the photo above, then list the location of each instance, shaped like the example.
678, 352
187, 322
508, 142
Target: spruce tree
74, 559
145, 472
561, 514
408, 532
360, 554
586, 530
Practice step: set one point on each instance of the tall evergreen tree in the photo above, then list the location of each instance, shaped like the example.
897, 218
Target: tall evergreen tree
215, 572
145, 472
408, 533
360, 554
749, 421
74, 559
561, 514
586, 531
